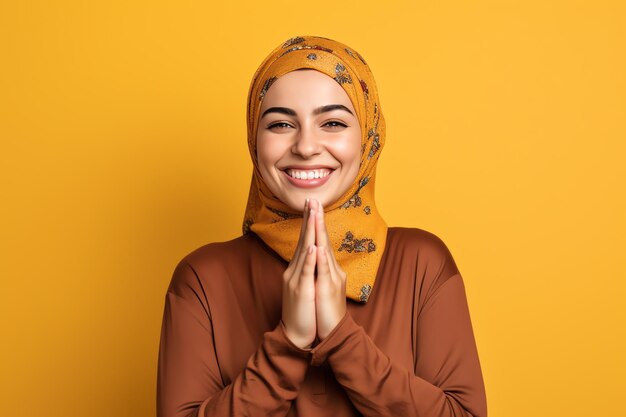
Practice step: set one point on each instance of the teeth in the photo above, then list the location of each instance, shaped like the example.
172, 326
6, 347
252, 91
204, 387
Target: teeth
308, 175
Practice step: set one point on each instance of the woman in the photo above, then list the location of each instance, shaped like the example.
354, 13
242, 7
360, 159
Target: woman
318, 308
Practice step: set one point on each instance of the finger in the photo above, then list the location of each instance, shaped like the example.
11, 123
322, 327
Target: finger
307, 241
305, 213
323, 266
305, 216
309, 233
308, 268
321, 235
322, 238
299, 246
332, 265
325, 229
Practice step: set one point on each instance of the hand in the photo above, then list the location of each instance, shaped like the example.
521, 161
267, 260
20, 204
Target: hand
330, 286
298, 314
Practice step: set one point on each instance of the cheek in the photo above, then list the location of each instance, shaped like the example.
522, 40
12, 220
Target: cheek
268, 151
348, 150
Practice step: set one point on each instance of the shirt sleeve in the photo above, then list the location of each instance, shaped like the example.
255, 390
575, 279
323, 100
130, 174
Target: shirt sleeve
446, 380
189, 382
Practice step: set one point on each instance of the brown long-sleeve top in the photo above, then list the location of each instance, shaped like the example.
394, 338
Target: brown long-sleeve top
409, 351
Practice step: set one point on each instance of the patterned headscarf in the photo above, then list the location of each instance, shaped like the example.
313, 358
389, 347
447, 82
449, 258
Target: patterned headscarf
356, 229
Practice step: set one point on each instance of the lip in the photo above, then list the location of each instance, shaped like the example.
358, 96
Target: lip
315, 182
307, 167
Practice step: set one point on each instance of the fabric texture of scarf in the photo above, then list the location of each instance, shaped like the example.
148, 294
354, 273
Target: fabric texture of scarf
355, 228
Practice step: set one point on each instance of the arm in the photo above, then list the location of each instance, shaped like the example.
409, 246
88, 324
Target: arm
446, 380
189, 382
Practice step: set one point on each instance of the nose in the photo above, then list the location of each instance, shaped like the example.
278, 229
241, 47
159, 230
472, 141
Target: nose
306, 143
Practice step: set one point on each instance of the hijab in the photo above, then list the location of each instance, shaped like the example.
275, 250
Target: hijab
355, 228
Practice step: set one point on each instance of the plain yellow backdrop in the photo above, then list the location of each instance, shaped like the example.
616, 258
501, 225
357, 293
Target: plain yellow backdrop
123, 148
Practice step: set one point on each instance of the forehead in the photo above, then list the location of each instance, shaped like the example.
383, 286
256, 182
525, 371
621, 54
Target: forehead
305, 87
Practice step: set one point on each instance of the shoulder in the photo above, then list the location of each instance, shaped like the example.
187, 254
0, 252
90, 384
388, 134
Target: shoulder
215, 253
431, 256
216, 257
427, 245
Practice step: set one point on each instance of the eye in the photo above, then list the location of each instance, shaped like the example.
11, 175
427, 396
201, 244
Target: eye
279, 125
335, 123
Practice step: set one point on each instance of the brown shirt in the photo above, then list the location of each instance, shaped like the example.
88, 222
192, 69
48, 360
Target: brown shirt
409, 351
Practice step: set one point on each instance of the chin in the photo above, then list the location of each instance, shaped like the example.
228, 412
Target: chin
296, 200
323, 200
297, 203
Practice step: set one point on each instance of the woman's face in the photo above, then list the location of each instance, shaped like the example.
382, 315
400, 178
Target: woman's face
308, 139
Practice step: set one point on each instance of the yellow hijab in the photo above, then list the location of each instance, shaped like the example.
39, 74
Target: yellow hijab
356, 229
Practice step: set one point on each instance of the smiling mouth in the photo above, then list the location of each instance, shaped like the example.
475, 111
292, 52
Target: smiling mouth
308, 178
310, 174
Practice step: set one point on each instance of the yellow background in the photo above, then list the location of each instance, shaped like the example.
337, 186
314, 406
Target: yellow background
123, 148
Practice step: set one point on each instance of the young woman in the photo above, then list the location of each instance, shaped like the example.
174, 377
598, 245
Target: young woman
318, 308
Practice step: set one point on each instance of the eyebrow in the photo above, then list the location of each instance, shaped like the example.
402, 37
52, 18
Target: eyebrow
319, 110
